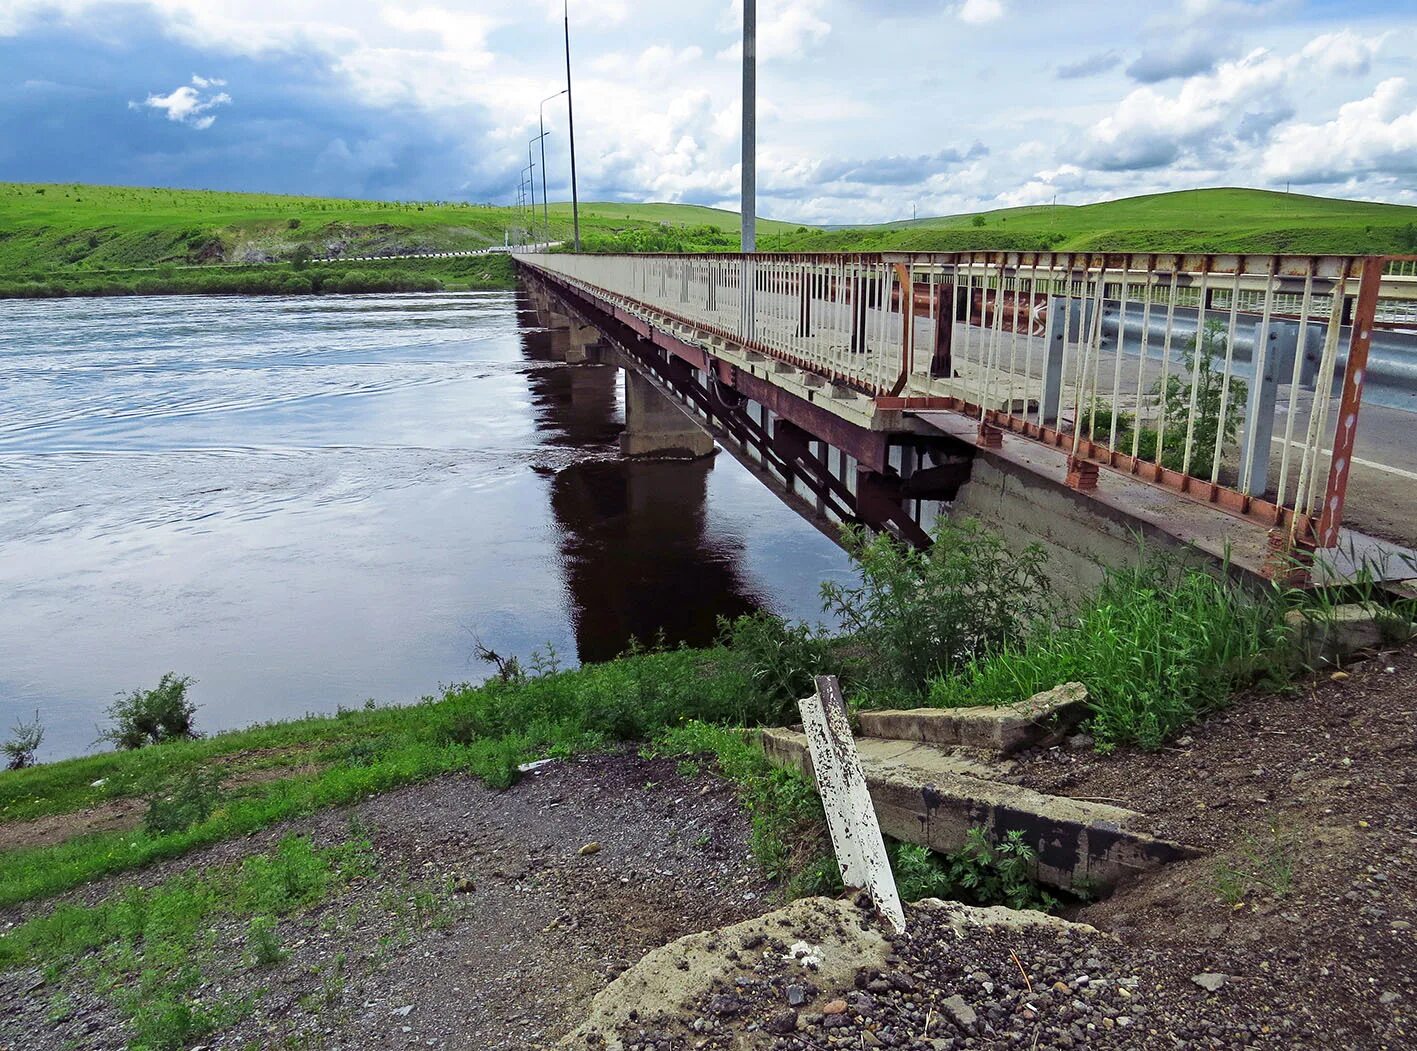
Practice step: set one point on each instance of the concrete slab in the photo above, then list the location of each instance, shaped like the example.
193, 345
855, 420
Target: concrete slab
1335, 636
921, 797
1002, 729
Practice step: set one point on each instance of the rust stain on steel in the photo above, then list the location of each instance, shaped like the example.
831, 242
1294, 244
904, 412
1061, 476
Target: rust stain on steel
907, 325
868, 447
1353, 377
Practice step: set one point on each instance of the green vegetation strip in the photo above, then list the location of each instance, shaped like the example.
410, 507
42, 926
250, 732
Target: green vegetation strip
486, 730
76, 239
146, 946
967, 621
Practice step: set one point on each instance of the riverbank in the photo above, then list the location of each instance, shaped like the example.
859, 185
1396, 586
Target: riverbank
292, 881
451, 914
491, 272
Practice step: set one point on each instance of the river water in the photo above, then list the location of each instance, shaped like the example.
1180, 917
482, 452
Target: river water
306, 502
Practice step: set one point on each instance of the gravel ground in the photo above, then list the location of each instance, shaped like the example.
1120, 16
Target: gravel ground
1294, 931
405, 960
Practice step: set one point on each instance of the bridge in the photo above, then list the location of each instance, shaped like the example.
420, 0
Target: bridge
1078, 400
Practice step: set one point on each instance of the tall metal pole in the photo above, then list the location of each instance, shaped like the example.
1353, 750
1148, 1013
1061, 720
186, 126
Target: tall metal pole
531, 167
541, 116
571, 129
750, 107
542, 138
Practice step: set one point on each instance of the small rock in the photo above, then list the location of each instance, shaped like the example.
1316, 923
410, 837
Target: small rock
402, 1012
796, 995
960, 1011
1080, 742
463, 885
1185, 741
725, 1006
1210, 981
834, 1007
590, 848
782, 1021
1389, 998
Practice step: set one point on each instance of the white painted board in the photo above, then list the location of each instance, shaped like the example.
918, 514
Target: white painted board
841, 782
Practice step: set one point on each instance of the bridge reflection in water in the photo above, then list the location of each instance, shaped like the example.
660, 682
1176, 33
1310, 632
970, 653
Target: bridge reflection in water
634, 538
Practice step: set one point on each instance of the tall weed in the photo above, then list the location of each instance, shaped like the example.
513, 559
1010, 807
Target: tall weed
1157, 647
921, 615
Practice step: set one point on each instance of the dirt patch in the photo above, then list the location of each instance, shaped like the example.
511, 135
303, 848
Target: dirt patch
120, 815
1308, 894
405, 959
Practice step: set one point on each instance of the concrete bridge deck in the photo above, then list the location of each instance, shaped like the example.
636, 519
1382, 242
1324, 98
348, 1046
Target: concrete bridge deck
842, 405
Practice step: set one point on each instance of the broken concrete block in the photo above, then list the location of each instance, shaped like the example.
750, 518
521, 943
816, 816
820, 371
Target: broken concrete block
1004, 728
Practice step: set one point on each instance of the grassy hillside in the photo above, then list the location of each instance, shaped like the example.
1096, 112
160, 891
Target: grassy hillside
72, 238
48, 229
1220, 220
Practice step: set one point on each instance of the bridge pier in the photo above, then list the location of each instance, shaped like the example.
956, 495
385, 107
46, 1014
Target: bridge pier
656, 427
583, 339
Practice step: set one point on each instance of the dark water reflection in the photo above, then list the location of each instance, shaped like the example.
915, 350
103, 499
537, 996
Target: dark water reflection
303, 503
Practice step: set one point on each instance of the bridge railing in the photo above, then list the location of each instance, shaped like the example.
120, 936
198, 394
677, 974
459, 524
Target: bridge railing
1235, 379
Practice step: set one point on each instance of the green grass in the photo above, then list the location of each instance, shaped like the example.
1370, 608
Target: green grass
788, 837
486, 730
1209, 220
145, 946
107, 239
1158, 647
1257, 867
475, 273
78, 229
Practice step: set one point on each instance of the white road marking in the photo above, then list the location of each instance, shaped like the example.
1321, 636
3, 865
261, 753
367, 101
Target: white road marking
1358, 460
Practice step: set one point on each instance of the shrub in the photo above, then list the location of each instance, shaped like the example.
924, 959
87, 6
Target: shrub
780, 659
262, 943
1199, 355
24, 742
982, 872
921, 615
189, 802
153, 716
1157, 647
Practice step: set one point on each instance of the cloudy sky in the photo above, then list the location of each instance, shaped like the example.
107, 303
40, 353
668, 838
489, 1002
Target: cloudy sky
866, 107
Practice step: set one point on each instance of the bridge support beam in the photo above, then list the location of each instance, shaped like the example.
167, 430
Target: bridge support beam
656, 427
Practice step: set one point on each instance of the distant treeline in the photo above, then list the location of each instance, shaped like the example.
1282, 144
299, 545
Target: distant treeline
276, 280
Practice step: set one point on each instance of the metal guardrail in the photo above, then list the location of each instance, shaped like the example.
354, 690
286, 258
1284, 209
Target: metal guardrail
1234, 379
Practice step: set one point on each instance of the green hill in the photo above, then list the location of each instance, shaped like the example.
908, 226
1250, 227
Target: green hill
1213, 220
62, 238
73, 227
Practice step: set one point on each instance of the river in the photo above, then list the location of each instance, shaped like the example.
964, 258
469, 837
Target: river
304, 503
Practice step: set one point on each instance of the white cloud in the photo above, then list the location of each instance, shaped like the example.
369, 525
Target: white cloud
1374, 134
462, 33
189, 104
1243, 98
786, 28
978, 12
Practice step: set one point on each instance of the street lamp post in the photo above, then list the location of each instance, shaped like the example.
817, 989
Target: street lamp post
527, 178
571, 129
750, 105
542, 139
531, 178
541, 118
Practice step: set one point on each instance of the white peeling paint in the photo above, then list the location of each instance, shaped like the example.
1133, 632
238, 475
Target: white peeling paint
841, 782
